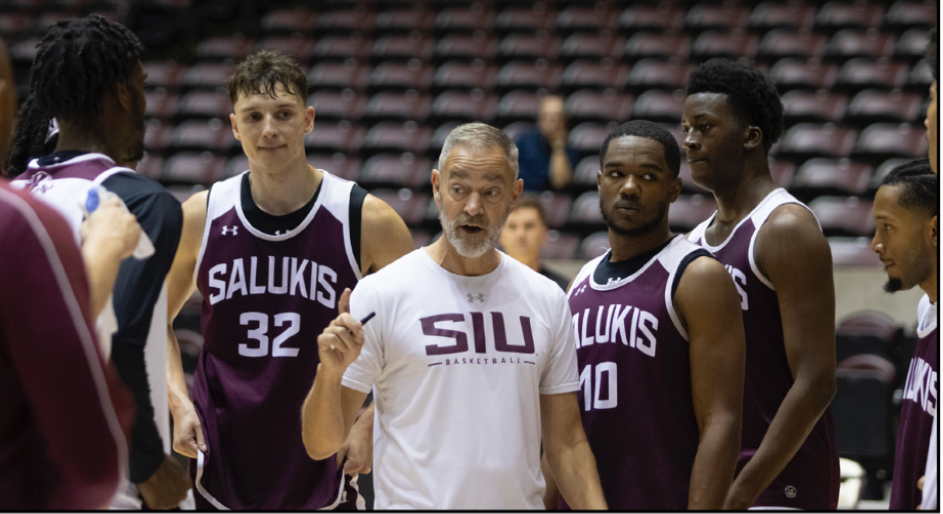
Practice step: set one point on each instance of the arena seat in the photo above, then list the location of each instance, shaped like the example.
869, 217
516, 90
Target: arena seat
905, 14
409, 205
584, 212
338, 48
202, 135
398, 137
336, 164
461, 105
403, 47
881, 141
521, 105
520, 19
166, 74
702, 17
405, 20
654, 74
835, 15
231, 47
849, 216
601, 106
798, 74
587, 137
870, 322
852, 252
774, 15
849, 43
345, 21
820, 106
732, 45
333, 105
160, 103
859, 73
421, 238
870, 106
390, 105
663, 106
660, 17
338, 75
235, 165
193, 168
400, 75
468, 47
883, 169
560, 246
806, 140
779, 44
465, 19
585, 172
209, 75
335, 137
514, 130
204, 104
911, 45
528, 75
395, 170
595, 19
782, 172
584, 74
463, 75
289, 20
644, 45
151, 166
593, 245
295, 45
820, 176
442, 132
157, 135
13, 24
592, 46
556, 207
689, 211
919, 78
529, 46
861, 414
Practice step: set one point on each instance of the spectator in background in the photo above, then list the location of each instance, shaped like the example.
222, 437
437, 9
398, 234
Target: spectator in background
906, 212
545, 159
525, 233
46, 332
88, 75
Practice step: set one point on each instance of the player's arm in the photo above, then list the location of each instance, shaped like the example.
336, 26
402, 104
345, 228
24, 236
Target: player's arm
383, 235
45, 300
717, 354
188, 433
330, 408
568, 453
806, 293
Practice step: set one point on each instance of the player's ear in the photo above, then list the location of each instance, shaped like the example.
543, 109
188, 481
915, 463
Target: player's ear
675, 189
235, 126
753, 138
935, 230
123, 95
517, 188
309, 119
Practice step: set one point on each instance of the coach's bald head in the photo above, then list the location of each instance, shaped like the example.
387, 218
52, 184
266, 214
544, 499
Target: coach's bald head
7, 102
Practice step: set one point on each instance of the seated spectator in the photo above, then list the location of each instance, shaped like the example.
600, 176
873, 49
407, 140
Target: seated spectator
525, 233
546, 162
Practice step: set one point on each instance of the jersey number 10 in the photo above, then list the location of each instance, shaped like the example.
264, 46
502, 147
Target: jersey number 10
260, 334
605, 375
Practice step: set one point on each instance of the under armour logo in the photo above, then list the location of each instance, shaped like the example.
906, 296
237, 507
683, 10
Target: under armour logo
480, 298
41, 181
791, 492
231, 231
580, 290
612, 280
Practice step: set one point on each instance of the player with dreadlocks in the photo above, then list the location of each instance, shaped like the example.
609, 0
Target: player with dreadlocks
87, 74
773, 247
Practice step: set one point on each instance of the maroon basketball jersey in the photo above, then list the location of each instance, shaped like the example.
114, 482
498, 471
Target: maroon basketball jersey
635, 382
266, 298
916, 413
811, 480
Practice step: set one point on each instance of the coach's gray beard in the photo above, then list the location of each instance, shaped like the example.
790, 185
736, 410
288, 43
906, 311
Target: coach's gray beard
465, 248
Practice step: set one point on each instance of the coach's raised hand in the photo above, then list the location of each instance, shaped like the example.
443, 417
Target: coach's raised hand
340, 343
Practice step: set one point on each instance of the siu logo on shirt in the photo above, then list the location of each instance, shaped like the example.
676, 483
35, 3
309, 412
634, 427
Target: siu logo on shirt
432, 326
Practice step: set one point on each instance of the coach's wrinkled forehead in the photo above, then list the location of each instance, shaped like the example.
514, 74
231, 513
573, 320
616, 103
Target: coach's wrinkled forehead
480, 135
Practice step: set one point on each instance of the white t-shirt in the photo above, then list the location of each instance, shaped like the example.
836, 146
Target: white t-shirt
458, 365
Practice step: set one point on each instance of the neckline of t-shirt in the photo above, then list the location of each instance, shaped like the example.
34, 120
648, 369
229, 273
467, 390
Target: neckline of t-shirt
493, 273
930, 315
733, 232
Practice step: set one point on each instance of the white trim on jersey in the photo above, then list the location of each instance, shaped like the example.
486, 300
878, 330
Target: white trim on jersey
75, 312
91, 156
199, 483
759, 216
670, 261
